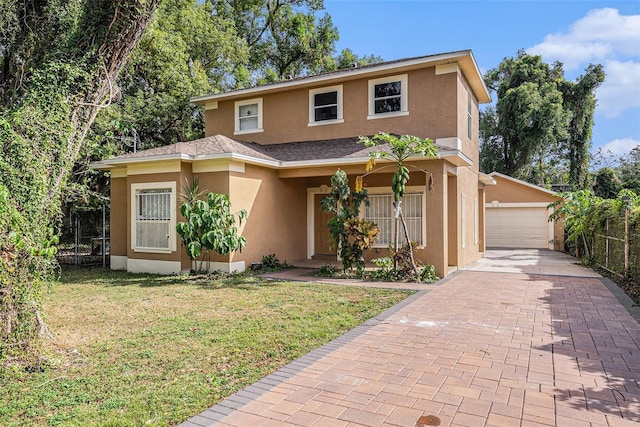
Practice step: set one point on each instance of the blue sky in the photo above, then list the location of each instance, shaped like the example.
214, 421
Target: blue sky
574, 32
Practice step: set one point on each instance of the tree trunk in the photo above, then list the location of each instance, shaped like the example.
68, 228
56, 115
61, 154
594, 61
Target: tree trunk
406, 235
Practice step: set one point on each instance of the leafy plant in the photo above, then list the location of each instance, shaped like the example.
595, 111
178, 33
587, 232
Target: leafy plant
327, 270
401, 148
210, 226
428, 274
349, 234
385, 270
271, 263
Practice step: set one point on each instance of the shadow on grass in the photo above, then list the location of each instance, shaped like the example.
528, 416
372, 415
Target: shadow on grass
113, 278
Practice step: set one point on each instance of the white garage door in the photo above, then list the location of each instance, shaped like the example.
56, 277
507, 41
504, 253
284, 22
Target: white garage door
517, 227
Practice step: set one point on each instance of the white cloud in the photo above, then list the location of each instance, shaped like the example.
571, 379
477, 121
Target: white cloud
602, 34
620, 147
621, 88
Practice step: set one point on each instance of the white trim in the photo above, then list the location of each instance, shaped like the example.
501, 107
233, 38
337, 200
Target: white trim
217, 165
119, 173
211, 105
404, 96
153, 266
225, 267
173, 210
166, 166
497, 204
118, 262
236, 114
452, 142
339, 105
447, 68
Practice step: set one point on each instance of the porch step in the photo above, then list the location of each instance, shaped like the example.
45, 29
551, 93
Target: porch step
324, 257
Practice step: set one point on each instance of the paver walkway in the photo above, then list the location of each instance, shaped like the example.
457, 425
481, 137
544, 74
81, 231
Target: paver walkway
480, 349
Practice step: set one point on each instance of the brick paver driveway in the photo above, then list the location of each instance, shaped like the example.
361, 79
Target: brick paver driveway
490, 347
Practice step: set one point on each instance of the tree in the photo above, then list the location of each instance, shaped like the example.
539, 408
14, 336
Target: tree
349, 234
60, 61
579, 100
629, 170
209, 225
187, 51
528, 116
607, 185
401, 148
284, 37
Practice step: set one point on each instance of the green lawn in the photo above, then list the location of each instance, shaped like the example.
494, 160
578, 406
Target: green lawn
135, 350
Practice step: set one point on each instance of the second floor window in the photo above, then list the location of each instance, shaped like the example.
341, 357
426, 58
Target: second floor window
248, 116
325, 105
388, 96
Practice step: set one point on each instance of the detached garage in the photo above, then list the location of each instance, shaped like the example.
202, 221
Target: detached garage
517, 216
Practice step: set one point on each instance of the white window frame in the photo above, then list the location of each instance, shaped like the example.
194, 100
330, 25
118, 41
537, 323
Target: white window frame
404, 96
172, 236
409, 191
312, 105
259, 114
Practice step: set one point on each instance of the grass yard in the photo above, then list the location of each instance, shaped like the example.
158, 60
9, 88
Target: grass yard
136, 350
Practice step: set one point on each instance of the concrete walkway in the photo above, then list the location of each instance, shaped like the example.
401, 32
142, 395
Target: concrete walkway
521, 338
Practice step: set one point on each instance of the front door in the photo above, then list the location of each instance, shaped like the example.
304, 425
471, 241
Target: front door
321, 229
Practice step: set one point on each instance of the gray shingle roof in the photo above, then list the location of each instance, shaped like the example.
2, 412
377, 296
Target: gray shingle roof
342, 148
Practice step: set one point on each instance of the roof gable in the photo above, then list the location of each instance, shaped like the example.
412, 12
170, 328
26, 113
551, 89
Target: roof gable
463, 58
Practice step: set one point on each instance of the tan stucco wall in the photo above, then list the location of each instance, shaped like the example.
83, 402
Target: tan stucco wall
277, 214
507, 191
469, 145
119, 217
431, 103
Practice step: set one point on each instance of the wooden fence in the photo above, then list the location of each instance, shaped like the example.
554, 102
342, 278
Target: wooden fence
616, 247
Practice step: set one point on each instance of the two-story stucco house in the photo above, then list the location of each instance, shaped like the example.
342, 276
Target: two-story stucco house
273, 148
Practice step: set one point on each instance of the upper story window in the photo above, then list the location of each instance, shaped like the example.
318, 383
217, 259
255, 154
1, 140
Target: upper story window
325, 105
154, 217
388, 96
248, 115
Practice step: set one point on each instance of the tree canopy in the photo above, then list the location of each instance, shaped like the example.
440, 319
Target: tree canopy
60, 61
540, 121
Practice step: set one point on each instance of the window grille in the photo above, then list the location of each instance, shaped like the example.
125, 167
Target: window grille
153, 218
380, 211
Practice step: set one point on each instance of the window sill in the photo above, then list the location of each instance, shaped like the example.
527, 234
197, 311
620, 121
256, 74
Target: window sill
387, 115
243, 132
152, 250
326, 122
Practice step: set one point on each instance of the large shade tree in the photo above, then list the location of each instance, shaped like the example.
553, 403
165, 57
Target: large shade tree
60, 63
540, 127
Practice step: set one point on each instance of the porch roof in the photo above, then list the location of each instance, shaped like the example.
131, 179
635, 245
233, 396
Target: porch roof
281, 156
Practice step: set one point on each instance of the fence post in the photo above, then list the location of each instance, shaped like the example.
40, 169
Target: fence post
76, 249
626, 236
104, 235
